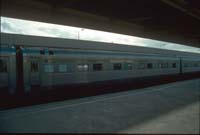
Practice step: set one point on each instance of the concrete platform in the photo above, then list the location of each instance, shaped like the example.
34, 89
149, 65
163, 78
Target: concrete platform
169, 108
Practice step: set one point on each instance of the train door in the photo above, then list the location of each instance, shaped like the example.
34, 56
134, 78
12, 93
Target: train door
4, 76
19, 71
7, 70
34, 72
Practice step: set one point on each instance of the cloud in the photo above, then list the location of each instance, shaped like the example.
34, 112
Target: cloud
17, 26
10, 28
56, 32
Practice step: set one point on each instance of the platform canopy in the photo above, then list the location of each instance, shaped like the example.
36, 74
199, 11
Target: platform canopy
175, 21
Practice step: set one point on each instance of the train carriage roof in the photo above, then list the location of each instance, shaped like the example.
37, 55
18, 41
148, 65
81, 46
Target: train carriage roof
94, 54
38, 41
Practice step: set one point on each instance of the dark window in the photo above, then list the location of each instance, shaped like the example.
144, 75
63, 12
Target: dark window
50, 52
117, 66
128, 66
97, 67
34, 66
173, 65
42, 52
149, 65
3, 66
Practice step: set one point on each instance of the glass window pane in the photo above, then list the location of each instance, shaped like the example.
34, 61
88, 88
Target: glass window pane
85, 67
173, 65
62, 68
159, 65
163, 65
48, 68
117, 66
141, 66
128, 66
82, 67
166, 65
97, 67
149, 65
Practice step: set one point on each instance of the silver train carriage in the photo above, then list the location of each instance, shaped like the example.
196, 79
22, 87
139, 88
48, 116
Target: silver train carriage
63, 66
30, 61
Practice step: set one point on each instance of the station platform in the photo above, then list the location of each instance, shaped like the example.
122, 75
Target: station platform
168, 108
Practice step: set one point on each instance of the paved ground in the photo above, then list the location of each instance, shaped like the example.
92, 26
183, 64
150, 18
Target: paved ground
169, 108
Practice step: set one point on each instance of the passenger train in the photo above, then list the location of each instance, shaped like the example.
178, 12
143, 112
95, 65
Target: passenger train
27, 62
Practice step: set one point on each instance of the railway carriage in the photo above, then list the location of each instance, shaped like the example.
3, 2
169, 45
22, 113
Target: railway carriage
48, 66
29, 62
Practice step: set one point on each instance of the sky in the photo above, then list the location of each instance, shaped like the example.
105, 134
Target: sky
25, 27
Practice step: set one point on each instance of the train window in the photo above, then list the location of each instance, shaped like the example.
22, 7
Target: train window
173, 65
79, 67
141, 66
83, 67
128, 66
117, 66
159, 65
97, 67
3, 65
34, 66
42, 52
163, 65
62, 68
149, 65
50, 52
48, 68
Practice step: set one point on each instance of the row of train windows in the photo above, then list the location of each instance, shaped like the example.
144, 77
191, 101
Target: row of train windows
191, 65
80, 67
83, 67
48, 67
99, 66
96, 67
